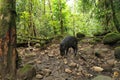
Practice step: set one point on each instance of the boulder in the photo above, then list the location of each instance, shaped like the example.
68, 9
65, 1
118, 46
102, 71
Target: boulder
37, 45
80, 35
117, 53
111, 38
101, 77
26, 73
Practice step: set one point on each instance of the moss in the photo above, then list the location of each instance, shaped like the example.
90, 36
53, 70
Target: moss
25, 68
111, 38
101, 33
92, 41
97, 39
102, 77
26, 73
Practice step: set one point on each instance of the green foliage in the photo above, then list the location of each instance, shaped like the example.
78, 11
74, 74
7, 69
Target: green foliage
85, 16
85, 5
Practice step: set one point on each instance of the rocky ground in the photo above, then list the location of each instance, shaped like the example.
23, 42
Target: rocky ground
91, 62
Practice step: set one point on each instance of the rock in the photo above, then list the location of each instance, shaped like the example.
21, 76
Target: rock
68, 70
117, 65
65, 61
42, 53
101, 33
37, 45
27, 51
117, 53
118, 43
111, 38
72, 64
111, 62
46, 52
116, 69
51, 55
97, 69
48, 78
38, 62
80, 35
105, 50
97, 54
26, 73
97, 39
88, 50
116, 74
79, 74
46, 72
100, 51
101, 77
107, 67
80, 68
31, 62
32, 54
39, 76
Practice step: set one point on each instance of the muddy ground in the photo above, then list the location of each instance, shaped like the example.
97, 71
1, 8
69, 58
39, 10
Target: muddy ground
90, 61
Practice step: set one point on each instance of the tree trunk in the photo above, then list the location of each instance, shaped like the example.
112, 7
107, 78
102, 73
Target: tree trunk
73, 25
34, 30
30, 19
106, 16
115, 20
51, 13
44, 8
60, 17
7, 40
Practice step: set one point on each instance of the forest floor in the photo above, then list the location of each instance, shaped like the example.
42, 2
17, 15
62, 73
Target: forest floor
89, 62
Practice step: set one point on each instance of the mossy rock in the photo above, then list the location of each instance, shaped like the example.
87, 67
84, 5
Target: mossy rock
101, 33
111, 38
117, 53
97, 34
80, 35
37, 45
92, 41
102, 77
26, 73
97, 39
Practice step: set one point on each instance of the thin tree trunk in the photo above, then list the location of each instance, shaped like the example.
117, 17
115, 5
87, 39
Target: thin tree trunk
30, 19
73, 25
107, 16
60, 17
52, 16
34, 30
7, 39
44, 7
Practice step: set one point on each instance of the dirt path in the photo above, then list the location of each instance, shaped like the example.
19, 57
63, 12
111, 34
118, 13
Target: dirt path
51, 66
